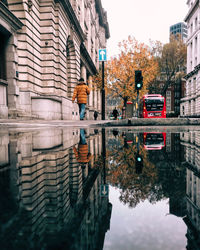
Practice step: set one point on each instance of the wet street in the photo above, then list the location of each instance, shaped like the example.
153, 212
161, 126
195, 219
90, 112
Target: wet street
100, 188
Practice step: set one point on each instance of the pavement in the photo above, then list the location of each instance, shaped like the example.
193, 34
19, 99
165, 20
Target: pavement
156, 122
130, 122
17, 123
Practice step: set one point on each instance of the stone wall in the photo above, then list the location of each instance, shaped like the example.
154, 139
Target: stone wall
190, 103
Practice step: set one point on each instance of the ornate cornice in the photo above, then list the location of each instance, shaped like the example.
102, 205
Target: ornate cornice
102, 17
85, 57
192, 9
73, 19
88, 62
9, 17
70, 12
193, 72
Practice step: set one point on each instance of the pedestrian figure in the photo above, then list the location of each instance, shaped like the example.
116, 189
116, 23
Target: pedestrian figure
81, 92
82, 154
115, 132
95, 114
115, 113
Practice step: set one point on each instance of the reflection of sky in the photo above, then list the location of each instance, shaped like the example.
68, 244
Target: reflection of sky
146, 227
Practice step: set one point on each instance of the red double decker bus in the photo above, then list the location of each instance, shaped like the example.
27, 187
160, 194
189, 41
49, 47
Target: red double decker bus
154, 141
152, 106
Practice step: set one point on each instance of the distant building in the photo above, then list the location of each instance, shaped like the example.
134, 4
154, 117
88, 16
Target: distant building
179, 28
173, 95
190, 104
176, 92
111, 103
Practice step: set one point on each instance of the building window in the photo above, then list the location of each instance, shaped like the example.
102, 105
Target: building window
196, 23
183, 112
2, 57
191, 28
168, 93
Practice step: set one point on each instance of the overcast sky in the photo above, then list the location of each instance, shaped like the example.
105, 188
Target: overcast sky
143, 19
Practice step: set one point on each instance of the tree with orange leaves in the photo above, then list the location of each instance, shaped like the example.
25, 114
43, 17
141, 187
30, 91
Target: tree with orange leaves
121, 69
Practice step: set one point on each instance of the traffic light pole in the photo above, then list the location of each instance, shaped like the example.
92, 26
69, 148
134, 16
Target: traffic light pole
103, 94
138, 86
138, 103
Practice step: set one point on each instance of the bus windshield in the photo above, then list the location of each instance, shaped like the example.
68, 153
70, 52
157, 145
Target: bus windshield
154, 104
154, 139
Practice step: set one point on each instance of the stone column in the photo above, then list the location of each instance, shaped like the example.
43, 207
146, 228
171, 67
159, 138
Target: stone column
4, 141
83, 72
198, 105
99, 99
12, 76
90, 99
192, 107
91, 92
95, 99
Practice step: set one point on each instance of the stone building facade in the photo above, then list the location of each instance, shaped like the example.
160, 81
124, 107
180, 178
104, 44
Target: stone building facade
190, 104
191, 142
47, 46
50, 198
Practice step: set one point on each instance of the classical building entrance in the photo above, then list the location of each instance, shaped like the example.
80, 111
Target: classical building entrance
4, 36
9, 24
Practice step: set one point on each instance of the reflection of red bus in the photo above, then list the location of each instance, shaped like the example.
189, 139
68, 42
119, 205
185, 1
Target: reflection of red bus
154, 141
152, 106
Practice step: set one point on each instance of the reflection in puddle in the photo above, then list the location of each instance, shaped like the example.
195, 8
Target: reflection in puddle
154, 141
54, 189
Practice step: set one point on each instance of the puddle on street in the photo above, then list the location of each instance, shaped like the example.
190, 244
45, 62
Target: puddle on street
99, 189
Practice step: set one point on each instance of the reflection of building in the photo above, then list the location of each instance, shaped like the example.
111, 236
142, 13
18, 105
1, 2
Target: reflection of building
4, 150
190, 103
45, 47
191, 141
171, 173
49, 196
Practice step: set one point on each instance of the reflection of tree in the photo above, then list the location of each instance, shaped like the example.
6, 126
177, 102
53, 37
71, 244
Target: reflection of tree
134, 187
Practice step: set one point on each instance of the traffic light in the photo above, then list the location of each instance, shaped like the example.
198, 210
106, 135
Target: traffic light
138, 79
138, 164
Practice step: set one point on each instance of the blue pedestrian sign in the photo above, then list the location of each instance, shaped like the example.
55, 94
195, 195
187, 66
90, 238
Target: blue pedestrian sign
102, 55
104, 190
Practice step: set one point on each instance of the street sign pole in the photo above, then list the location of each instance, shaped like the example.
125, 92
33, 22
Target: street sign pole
104, 186
102, 58
103, 94
104, 154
